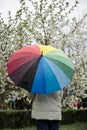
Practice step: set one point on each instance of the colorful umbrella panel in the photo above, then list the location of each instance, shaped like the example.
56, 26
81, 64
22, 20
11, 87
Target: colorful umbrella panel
40, 69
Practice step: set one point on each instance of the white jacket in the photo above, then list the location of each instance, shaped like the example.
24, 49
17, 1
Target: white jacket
47, 106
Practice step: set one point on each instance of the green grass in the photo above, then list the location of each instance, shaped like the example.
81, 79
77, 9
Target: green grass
76, 126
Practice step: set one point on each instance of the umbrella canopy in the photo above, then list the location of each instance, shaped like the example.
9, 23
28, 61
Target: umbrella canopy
40, 69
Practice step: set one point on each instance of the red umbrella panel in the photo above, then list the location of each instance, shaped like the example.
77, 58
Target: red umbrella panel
24, 62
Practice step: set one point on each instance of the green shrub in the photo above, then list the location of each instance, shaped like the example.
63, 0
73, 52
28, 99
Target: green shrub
15, 119
22, 118
71, 116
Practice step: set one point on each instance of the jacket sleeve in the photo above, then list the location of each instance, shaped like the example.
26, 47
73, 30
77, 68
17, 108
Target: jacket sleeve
61, 94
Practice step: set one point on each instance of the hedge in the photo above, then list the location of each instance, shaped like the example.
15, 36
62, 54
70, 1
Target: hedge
22, 118
15, 119
71, 116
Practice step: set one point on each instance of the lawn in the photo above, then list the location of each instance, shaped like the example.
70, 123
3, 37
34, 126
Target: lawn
76, 126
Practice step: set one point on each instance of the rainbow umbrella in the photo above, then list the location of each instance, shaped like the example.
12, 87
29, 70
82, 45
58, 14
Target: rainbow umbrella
40, 69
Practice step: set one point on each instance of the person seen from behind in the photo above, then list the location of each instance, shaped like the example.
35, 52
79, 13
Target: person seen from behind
46, 110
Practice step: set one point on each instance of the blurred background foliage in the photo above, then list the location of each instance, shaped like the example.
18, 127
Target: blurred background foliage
49, 23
